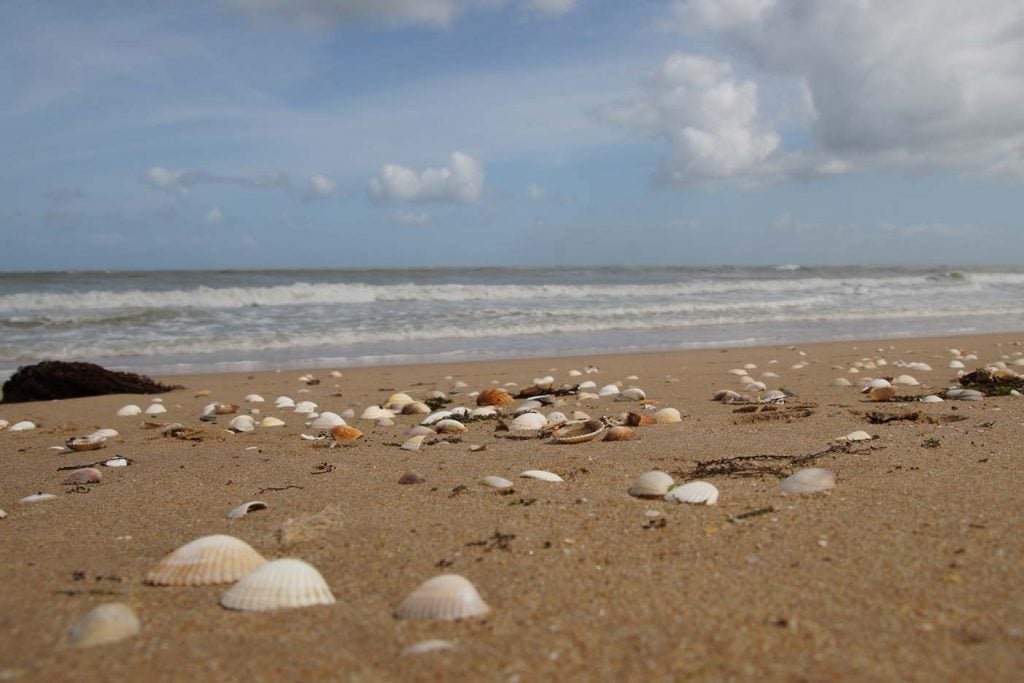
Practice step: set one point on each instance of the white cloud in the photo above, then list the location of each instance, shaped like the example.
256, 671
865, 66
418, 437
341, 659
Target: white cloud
553, 7
708, 116
213, 217
164, 179
320, 186
461, 181
536, 193
412, 218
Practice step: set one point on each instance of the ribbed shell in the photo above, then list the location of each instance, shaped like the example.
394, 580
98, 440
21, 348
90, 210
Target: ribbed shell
207, 560
810, 480
278, 585
86, 443
346, 433
449, 426
579, 432
107, 623
667, 416
447, 597
694, 492
494, 397
413, 443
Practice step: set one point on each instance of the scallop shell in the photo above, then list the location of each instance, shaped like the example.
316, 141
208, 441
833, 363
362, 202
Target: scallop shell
653, 484
204, 561
326, 420
496, 482
542, 475
271, 422
86, 443
23, 426
305, 407
621, 433
106, 623
242, 423
448, 597
415, 408
494, 397
810, 480
449, 426
129, 410
528, 422
694, 492
84, 475
155, 409
579, 432
277, 585
245, 508
413, 443
667, 416
346, 433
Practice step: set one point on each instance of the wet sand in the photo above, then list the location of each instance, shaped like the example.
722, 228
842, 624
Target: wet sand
911, 569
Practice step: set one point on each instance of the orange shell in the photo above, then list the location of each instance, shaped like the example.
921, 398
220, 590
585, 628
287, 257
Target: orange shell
345, 433
639, 420
494, 397
621, 434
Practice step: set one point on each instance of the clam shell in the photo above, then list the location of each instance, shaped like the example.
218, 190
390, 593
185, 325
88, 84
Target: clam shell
86, 443
621, 433
906, 380
413, 443
84, 475
279, 584
579, 432
725, 395
436, 417
694, 492
496, 482
859, 435
284, 402
632, 394
397, 400
542, 475
245, 508
449, 426
305, 407
242, 423
204, 561
556, 418
667, 416
375, 413
447, 597
484, 412
932, 398
326, 420
530, 406
608, 390
23, 426
346, 433
254, 398
415, 408
271, 422
810, 480
653, 484
129, 410
494, 397
106, 623
588, 384
37, 498
4, 424
418, 430
106, 433
155, 409
528, 422
841, 382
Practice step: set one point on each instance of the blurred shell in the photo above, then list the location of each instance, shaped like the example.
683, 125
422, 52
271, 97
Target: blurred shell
225, 408
932, 398
129, 410
415, 408
345, 433
242, 423
496, 482
86, 443
841, 382
84, 475
608, 390
37, 498
588, 384
447, 597
271, 422
284, 402
956, 365
906, 380
4, 424
556, 418
107, 433
375, 413
484, 412
653, 484
632, 394
204, 561
3, 515
882, 394
155, 409
326, 420
305, 407
449, 426
739, 372
410, 478
279, 584
725, 395
413, 443
245, 508
621, 433
116, 462
424, 646
578, 432
667, 416
859, 435
579, 416
542, 475
810, 480
398, 400
530, 406
106, 623
23, 426
348, 414
418, 430
694, 492
494, 397
528, 422
254, 398
638, 419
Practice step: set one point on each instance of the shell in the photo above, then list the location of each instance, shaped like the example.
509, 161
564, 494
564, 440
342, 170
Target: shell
415, 408
398, 400
608, 390
494, 397
413, 443
810, 480
305, 407
906, 380
204, 561
424, 646
3, 515
242, 423
638, 419
841, 382
277, 585
106, 432
411, 478
418, 430
528, 422
284, 402
155, 409
859, 435
254, 398
271, 422
542, 475
326, 420
4, 424
37, 498
23, 426
931, 398
578, 432
530, 406
346, 433
106, 623
484, 412
129, 410
588, 384
653, 484
436, 417
375, 413
739, 372
449, 426
116, 462
556, 418
725, 395
225, 408
447, 597
86, 443
667, 416
632, 394
84, 475
496, 482
881, 394
621, 433
245, 508
694, 492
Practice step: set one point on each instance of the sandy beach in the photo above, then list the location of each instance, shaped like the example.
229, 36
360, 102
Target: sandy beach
910, 569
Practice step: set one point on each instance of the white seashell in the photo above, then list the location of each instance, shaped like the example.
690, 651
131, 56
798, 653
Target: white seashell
757, 386
242, 423
575, 373
254, 398
769, 375
579, 416
859, 435
116, 462
527, 407
418, 430
23, 426
4, 424
528, 422
279, 584
106, 433
586, 396
37, 498
460, 411
906, 380
725, 395
397, 401
450, 426
245, 508
496, 482
284, 402
336, 374
746, 380
413, 443
129, 410
375, 413
348, 414
810, 480
608, 390
448, 597
106, 623
653, 484
484, 412
424, 646
556, 418
415, 408
667, 416
841, 382
206, 560
632, 394
86, 443
588, 384
3, 515
271, 422
739, 372
305, 407
694, 492
579, 432
931, 398
155, 409
384, 422
326, 420
542, 475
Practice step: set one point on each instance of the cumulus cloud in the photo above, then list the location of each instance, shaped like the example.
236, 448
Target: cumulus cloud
213, 217
180, 182
321, 187
923, 84
462, 180
316, 14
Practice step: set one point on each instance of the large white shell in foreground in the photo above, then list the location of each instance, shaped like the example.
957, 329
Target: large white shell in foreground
22, 426
447, 597
242, 423
528, 422
278, 585
810, 480
107, 623
207, 560
694, 492
326, 420
653, 484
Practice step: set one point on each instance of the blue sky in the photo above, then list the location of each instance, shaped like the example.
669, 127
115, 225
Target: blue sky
274, 133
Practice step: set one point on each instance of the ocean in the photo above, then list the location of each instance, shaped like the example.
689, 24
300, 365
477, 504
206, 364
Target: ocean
176, 322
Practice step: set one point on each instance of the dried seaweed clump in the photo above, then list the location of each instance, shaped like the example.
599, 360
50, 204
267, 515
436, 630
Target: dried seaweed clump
54, 379
998, 383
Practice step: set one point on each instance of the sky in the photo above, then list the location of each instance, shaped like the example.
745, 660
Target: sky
369, 133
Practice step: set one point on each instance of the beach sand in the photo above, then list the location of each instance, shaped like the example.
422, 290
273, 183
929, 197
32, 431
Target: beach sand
911, 569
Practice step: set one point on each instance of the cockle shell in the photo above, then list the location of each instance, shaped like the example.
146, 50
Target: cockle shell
86, 443
346, 433
129, 410
579, 432
810, 480
23, 426
326, 420
494, 397
155, 409
413, 443
284, 402
245, 508
448, 597
375, 413
496, 482
528, 422
621, 433
242, 423
415, 408
556, 418
106, 623
84, 475
279, 584
449, 426
694, 492
667, 416
653, 484
204, 561
271, 421
542, 475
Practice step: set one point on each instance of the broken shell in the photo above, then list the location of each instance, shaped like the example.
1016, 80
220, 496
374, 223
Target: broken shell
694, 492
653, 484
271, 422
448, 597
494, 397
86, 443
204, 561
375, 413
245, 508
84, 475
106, 623
23, 426
667, 416
810, 480
542, 475
413, 443
425, 646
37, 498
346, 433
449, 426
411, 478
528, 422
415, 408
155, 409
436, 417
277, 585
578, 432
326, 420
882, 394
496, 482
242, 423
129, 410
621, 433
